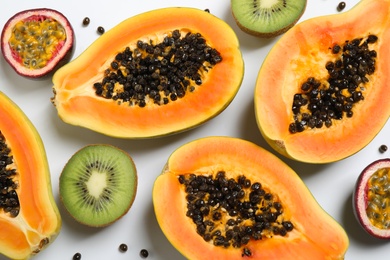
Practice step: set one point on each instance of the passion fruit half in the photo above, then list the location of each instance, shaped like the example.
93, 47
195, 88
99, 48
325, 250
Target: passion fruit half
36, 42
371, 199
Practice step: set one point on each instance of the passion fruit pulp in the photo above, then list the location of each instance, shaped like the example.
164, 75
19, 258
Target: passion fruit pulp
371, 199
36, 42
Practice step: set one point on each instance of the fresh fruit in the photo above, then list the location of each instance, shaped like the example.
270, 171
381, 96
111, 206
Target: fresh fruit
227, 198
267, 19
36, 42
98, 185
149, 77
29, 217
371, 199
322, 92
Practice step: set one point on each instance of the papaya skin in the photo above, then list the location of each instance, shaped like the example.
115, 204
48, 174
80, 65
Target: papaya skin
316, 235
303, 52
77, 103
38, 222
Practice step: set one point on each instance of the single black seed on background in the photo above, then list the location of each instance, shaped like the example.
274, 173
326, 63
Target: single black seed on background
144, 253
86, 21
123, 247
341, 6
100, 30
383, 148
76, 256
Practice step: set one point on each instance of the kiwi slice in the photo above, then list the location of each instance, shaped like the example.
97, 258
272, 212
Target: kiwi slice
267, 18
98, 185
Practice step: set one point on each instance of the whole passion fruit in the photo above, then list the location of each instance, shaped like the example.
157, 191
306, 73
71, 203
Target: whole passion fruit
371, 199
36, 42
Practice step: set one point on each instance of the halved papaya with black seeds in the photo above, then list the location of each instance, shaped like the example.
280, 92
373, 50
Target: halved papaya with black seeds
154, 74
227, 198
322, 92
29, 217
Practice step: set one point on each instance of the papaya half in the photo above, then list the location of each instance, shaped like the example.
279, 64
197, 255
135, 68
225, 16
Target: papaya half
227, 198
322, 92
154, 74
29, 217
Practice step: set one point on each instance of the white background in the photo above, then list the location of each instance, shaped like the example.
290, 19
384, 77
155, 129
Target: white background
331, 184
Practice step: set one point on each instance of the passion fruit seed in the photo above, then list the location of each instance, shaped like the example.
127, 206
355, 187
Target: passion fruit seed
86, 21
76, 256
383, 148
158, 72
341, 6
100, 30
36, 39
378, 198
144, 253
9, 200
321, 103
231, 212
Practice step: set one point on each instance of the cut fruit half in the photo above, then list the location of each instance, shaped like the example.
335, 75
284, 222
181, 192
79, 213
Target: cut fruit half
267, 18
37, 42
98, 185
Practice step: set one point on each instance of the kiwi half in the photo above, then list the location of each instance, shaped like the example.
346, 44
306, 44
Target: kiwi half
98, 185
267, 18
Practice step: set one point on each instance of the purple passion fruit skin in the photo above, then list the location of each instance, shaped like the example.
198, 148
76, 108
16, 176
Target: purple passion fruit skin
36, 42
371, 199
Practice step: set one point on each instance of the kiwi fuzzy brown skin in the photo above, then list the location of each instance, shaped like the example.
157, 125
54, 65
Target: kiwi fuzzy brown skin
124, 212
270, 34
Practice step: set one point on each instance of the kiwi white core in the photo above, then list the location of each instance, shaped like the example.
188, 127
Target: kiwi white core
96, 184
267, 3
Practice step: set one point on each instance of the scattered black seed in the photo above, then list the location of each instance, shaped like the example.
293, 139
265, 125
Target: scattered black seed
144, 253
383, 148
86, 21
319, 104
9, 200
158, 72
237, 210
341, 6
123, 247
76, 256
100, 30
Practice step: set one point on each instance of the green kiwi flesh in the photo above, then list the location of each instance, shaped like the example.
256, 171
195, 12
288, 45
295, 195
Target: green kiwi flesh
98, 185
267, 18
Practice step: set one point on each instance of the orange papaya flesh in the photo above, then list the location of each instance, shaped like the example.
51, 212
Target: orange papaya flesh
77, 103
32, 221
315, 235
304, 52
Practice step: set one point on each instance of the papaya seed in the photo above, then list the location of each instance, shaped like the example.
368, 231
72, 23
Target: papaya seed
158, 72
341, 6
321, 102
234, 218
383, 148
9, 200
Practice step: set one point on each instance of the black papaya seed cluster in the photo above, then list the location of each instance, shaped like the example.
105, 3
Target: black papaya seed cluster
9, 201
158, 73
320, 103
231, 212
